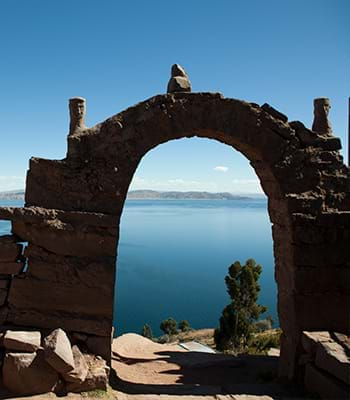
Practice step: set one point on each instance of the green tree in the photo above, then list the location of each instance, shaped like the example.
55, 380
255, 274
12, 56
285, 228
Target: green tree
184, 326
238, 317
147, 331
168, 326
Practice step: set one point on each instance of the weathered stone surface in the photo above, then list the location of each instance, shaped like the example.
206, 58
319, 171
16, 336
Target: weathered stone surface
310, 340
80, 371
10, 252
323, 384
91, 324
7, 239
11, 268
77, 106
332, 357
275, 113
321, 122
23, 341
63, 238
5, 283
100, 346
179, 81
28, 373
97, 376
58, 351
68, 270
3, 296
29, 293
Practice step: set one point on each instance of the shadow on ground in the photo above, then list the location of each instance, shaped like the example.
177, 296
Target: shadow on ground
195, 373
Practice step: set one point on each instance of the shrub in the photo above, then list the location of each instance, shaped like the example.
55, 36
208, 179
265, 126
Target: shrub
168, 326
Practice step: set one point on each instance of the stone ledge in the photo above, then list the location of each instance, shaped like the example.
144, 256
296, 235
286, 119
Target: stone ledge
39, 214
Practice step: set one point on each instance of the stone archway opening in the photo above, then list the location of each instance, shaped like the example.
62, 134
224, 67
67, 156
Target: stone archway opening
167, 242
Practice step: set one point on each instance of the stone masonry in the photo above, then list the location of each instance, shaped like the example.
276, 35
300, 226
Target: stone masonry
73, 207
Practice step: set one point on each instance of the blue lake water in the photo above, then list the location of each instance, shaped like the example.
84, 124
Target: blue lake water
173, 256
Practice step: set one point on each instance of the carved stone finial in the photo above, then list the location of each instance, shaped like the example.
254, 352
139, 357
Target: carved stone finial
321, 122
77, 110
179, 81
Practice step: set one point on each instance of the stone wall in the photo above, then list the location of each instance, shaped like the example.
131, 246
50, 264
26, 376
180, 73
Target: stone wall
73, 207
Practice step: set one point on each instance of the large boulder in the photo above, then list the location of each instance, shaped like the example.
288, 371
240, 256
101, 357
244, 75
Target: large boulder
80, 371
58, 351
28, 373
22, 341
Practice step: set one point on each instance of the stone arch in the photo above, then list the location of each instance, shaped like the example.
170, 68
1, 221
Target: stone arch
73, 207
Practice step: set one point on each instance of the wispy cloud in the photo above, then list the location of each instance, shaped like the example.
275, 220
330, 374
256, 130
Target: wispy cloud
221, 168
171, 184
11, 182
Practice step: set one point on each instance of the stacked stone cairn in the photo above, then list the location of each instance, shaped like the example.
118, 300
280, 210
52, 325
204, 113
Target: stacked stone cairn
35, 364
327, 364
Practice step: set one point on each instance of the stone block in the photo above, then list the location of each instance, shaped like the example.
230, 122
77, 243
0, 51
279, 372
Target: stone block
30, 293
100, 346
91, 324
65, 239
10, 252
323, 311
7, 239
310, 340
4, 283
11, 268
68, 270
274, 113
23, 341
58, 351
80, 371
28, 373
3, 296
332, 357
323, 384
97, 376
329, 279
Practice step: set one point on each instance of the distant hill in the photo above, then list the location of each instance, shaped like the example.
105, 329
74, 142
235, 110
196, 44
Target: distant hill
12, 195
152, 195
155, 195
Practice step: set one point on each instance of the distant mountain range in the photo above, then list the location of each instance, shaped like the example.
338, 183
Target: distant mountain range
155, 195
12, 195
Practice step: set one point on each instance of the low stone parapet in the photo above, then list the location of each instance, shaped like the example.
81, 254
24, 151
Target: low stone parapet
326, 360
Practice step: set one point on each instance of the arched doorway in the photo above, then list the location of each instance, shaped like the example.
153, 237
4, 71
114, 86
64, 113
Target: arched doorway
79, 201
178, 238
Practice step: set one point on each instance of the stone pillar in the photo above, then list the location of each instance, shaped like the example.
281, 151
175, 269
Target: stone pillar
321, 122
77, 110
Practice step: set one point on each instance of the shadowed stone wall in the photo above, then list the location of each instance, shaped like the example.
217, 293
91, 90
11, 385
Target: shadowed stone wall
73, 208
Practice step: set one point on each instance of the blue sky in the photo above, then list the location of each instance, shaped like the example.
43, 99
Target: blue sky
116, 54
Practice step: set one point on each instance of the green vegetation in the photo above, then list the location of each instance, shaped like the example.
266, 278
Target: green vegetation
262, 342
168, 326
184, 326
147, 331
238, 317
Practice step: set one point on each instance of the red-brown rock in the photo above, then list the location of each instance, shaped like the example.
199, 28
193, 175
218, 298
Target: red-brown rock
58, 351
28, 373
